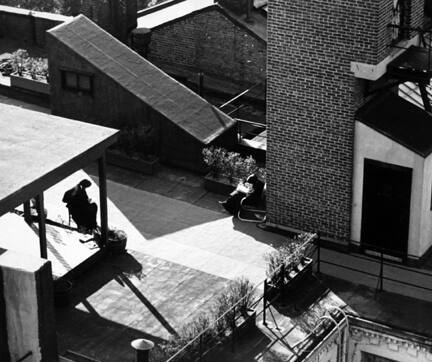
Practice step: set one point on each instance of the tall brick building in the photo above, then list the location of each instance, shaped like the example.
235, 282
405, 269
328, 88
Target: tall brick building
195, 36
323, 58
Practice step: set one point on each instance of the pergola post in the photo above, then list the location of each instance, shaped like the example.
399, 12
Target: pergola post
42, 229
103, 199
27, 212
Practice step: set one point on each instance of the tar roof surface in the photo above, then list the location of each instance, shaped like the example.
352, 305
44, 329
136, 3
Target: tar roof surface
37, 150
399, 120
154, 87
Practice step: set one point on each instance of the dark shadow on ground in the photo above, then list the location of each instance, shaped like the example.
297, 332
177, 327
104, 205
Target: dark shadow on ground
168, 181
97, 337
129, 296
163, 205
398, 311
246, 348
258, 233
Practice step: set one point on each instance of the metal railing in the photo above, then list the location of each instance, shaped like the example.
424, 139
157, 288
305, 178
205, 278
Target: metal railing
199, 339
238, 96
27, 355
248, 129
380, 261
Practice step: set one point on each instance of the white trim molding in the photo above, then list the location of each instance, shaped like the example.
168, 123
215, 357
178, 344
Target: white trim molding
375, 71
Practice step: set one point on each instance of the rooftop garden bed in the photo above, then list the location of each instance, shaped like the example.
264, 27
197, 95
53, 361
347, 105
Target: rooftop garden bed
227, 169
26, 72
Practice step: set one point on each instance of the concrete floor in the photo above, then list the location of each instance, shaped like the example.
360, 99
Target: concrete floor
182, 251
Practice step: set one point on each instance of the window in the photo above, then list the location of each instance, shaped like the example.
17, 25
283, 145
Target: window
77, 81
400, 19
369, 357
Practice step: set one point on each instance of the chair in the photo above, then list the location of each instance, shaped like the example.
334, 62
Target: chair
252, 212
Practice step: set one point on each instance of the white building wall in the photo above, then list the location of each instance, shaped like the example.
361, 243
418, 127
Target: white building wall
383, 345
373, 145
426, 212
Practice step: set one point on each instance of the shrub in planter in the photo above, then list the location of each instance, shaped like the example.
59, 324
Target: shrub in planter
212, 331
24, 65
231, 165
239, 292
187, 333
18, 61
285, 263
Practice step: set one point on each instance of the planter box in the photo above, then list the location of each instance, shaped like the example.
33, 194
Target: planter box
147, 167
29, 84
297, 278
220, 185
246, 323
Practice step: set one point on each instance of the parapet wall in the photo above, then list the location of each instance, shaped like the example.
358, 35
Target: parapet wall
26, 309
26, 25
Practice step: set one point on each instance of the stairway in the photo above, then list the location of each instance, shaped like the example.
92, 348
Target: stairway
411, 92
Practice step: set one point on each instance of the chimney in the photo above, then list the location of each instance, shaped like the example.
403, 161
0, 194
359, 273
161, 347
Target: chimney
140, 42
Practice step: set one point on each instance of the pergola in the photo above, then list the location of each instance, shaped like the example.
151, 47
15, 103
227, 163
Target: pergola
37, 150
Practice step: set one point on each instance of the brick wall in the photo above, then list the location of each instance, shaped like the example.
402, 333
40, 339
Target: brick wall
312, 97
209, 42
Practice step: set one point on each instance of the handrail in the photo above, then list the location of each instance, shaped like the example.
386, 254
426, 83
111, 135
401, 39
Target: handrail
257, 124
240, 95
310, 240
380, 275
387, 263
28, 354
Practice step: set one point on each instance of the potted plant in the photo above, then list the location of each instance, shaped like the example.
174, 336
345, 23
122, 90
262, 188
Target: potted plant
233, 309
288, 266
116, 243
241, 289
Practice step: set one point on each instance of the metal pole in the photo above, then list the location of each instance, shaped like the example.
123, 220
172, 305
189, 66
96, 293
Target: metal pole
27, 212
265, 302
42, 229
319, 253
200, 348
142, 349
103, 199
201, 83
233, 331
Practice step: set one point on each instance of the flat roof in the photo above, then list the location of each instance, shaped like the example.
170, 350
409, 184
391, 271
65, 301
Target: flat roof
153, 18
142, 79
399, 120
37, 150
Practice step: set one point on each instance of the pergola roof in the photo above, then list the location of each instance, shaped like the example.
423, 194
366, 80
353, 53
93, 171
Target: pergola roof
37, 150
